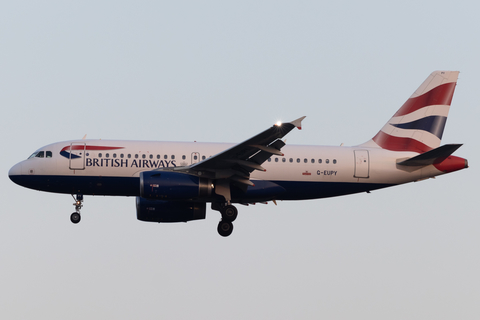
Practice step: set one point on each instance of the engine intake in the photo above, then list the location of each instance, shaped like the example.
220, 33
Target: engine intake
165, 185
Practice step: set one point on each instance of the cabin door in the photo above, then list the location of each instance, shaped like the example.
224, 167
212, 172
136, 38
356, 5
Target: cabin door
362, 164
77, 156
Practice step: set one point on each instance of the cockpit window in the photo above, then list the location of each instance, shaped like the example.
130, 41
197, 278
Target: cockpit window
41, 154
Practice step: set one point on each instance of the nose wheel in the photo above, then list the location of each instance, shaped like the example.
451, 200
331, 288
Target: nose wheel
75, 217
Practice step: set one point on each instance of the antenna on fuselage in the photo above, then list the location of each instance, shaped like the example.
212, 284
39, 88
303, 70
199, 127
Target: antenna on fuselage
84, 137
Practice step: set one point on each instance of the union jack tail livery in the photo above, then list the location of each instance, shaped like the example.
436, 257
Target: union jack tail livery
418, 125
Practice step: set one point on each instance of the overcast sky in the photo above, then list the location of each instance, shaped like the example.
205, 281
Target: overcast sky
224, 71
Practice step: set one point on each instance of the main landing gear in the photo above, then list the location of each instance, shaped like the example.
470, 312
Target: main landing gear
229, 214
75, 217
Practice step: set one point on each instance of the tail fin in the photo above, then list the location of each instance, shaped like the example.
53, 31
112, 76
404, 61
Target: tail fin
418, 125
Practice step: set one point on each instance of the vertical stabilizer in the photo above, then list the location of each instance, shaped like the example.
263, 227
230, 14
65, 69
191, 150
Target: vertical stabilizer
418, 125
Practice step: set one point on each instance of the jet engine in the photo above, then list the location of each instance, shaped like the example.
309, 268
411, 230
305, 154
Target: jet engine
166, 185
169, 211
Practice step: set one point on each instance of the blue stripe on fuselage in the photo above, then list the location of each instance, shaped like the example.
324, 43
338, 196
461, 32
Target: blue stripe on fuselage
130, 186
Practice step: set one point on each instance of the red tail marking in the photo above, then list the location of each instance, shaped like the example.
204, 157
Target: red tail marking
452, 163
441, 95
392, 143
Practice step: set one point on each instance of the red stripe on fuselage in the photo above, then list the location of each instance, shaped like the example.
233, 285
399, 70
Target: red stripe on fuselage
80, 147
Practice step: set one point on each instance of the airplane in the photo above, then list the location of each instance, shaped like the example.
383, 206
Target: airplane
174, 181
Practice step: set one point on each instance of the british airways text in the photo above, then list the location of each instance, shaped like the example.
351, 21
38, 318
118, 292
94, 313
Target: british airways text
126, 163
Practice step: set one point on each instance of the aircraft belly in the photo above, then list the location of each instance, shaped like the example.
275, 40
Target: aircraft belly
87, 185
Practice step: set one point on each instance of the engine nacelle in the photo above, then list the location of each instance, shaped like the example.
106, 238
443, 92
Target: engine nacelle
169, 211
166, 185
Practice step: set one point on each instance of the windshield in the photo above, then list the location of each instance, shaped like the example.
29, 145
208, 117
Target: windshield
33, 155
41, 154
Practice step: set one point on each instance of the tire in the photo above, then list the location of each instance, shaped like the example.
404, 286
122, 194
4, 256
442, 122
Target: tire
229, 213
75, 217
225, 228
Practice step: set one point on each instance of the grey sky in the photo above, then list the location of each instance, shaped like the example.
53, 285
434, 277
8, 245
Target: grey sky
222, 71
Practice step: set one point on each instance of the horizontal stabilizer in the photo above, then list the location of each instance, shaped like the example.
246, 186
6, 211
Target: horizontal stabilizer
431, 157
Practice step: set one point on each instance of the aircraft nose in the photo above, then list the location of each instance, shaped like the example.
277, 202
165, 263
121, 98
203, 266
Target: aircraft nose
15, 172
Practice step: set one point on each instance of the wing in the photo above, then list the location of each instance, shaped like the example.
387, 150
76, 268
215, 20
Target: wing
234, 165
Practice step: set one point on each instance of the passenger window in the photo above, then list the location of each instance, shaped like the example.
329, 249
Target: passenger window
183, 157
158, 156
121, 155
107, 155
313, 160
136, 156
269, 159
327, 161
319, 160
173, 157
276, 159
99, 155
283, 159
291, 159
298, 160
165, 157
203, 157
334, 161
194, 157
40, 154
143, 156
114, 155
305, 160
151, 156
49, 154
129, 156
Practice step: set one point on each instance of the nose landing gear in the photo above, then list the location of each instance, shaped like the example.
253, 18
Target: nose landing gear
75, 217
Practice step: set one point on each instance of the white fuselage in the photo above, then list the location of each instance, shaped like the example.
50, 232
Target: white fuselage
348, 166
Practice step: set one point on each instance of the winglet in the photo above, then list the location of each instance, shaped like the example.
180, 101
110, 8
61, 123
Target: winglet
298, 123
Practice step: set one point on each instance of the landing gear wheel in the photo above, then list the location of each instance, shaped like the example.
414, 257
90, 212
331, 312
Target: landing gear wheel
75, 217
225, 228
229, 213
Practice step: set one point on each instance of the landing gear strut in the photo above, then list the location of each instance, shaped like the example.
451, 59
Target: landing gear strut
75, 217
229, 214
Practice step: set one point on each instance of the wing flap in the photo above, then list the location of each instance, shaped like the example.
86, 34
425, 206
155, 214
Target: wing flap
268, 149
